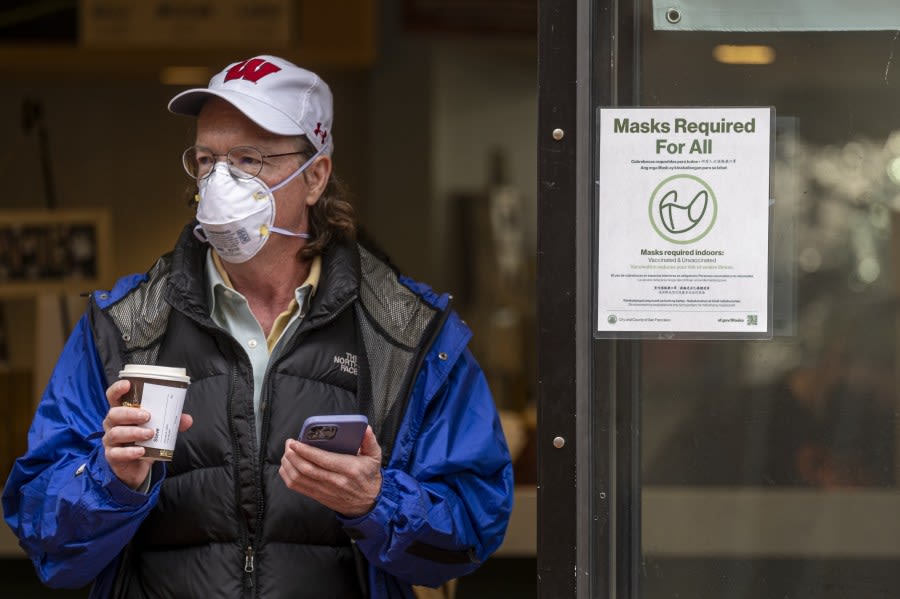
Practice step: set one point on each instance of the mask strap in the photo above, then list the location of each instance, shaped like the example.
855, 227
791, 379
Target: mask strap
296, 173
266, 230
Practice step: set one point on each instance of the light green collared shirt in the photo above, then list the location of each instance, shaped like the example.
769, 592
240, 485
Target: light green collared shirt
230, 310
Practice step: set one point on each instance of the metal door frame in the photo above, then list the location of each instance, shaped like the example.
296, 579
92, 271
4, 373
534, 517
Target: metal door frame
588, 529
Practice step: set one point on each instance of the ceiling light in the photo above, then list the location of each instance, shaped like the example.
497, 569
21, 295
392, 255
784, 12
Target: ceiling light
732, 54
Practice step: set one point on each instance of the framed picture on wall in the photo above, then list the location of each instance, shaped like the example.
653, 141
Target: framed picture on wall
53, 251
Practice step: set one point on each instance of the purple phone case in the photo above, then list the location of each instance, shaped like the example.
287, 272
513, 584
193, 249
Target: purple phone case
341, 433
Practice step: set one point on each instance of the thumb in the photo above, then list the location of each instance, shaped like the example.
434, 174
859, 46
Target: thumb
115, 392
370, 446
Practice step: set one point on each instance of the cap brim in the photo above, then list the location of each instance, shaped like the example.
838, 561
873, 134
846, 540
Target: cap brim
190, 102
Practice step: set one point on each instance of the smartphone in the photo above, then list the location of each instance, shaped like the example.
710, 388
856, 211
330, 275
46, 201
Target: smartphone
341, 433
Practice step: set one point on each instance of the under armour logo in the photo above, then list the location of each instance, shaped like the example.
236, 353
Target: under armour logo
321, 133
251, 70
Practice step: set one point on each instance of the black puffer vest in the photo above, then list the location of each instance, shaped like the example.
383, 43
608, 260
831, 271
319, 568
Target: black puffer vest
225, 524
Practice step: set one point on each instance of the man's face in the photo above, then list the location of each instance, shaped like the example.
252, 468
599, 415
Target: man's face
221, 127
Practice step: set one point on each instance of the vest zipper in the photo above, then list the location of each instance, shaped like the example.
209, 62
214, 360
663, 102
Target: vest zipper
245, 533
264, 414
249, 552
264, 393
248, 565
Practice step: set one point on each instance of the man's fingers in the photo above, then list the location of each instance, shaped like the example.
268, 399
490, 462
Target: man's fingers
346, 484
122, 456
122, 429
120, 435
186, 422
119, 416
303, 467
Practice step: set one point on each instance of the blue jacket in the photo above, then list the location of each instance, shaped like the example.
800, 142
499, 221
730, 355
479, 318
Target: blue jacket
447, 485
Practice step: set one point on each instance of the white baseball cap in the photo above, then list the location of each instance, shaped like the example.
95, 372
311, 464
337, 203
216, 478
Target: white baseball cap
273, 93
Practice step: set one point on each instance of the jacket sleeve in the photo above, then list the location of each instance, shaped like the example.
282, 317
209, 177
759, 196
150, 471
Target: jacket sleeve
447, 509
71, 514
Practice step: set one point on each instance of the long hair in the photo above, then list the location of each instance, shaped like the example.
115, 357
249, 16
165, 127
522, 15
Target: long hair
332, 218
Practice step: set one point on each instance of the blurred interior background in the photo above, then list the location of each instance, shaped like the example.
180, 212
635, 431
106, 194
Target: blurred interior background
769, 468
435, 116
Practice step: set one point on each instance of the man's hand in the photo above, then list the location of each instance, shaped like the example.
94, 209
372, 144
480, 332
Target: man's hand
347, 484
121, 430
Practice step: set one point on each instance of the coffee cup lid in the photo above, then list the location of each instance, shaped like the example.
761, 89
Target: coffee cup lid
166, 373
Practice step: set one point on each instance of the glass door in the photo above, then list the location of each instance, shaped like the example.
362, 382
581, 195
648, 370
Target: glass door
769, 468
734, 468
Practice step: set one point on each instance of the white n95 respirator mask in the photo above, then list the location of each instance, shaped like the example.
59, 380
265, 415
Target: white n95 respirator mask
237, 216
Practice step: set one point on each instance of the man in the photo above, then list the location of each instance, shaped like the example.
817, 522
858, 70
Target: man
277, 315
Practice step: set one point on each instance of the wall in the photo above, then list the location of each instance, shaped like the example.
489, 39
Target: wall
440, 104
485, 98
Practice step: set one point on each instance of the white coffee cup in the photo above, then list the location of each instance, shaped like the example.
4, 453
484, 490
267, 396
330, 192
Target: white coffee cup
160, 390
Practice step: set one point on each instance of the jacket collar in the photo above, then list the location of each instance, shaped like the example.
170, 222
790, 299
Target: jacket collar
338, 285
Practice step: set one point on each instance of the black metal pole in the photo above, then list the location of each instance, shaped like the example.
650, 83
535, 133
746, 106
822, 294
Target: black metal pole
556, 447
33, 119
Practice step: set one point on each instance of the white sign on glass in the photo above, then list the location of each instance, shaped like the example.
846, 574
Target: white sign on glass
683, 222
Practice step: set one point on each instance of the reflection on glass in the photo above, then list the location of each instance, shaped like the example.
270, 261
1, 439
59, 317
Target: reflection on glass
771, 468
818, 408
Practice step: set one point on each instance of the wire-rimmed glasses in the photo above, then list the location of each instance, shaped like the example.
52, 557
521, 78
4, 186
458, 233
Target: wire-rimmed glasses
244, 162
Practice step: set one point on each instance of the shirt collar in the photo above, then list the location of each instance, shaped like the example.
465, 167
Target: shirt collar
219, 282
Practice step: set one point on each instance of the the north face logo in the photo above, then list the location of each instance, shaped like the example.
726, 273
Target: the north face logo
251, 70
348, 363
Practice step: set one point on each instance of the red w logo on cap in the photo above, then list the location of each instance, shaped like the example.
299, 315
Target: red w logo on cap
251, 70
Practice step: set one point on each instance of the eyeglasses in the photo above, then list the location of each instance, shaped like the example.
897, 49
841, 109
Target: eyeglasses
244, 162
